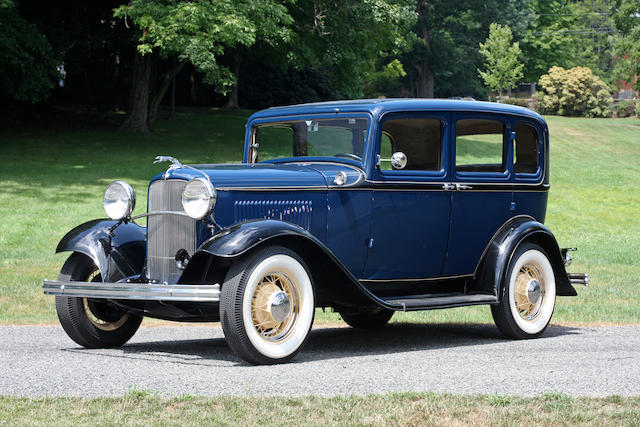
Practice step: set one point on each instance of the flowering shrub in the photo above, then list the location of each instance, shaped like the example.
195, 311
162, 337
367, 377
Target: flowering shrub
573, 92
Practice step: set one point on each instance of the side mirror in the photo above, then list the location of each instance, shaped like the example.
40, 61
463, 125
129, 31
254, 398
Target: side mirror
398, 160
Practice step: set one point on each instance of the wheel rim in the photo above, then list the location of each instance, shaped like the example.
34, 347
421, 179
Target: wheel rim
529, 292
278, 306
96, 315
532, 292
274, 307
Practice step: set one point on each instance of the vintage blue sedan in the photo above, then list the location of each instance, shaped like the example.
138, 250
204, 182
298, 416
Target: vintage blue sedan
367, 207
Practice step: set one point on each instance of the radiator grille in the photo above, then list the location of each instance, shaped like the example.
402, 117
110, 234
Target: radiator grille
294, 211
167, 233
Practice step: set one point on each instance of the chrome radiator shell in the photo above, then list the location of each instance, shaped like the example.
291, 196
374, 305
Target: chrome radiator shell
166, 234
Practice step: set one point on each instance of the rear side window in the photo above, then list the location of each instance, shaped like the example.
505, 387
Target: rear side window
480, 146
527, 154
420, 139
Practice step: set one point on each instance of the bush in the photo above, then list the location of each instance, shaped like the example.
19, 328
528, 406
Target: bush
638, 108
624, 108
515, 101
574, 92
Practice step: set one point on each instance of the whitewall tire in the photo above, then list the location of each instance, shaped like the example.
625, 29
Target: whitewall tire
267, 306
529, 294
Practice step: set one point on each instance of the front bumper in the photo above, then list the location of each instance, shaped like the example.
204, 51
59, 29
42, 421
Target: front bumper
133, 291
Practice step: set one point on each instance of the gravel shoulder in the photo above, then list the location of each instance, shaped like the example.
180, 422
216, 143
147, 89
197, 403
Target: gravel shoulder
177, 360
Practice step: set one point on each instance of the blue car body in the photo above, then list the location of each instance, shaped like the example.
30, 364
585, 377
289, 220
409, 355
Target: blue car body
398, 239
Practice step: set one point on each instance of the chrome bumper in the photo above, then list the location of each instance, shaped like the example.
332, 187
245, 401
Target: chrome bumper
579, 279
133, 291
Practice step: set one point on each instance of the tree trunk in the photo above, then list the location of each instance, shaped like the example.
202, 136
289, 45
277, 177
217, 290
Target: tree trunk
137, 121
232, 98
161, 92
425, 73
172, 114
425, 81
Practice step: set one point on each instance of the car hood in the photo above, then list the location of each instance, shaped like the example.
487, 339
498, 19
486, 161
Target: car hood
241, 176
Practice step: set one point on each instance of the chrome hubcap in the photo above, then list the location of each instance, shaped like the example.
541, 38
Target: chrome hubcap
279, 306
534, 291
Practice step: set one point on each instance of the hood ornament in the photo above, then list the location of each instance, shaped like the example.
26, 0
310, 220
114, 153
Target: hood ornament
175, 164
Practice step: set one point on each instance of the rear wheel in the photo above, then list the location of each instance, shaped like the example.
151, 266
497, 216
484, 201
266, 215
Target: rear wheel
267, 306
92, 323
529, 294
376, 318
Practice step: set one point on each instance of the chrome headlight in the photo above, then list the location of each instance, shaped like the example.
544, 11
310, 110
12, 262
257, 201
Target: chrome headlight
119, 200
198, 198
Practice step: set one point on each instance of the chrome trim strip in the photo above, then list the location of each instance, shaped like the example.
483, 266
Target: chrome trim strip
460, 276
133, 291
310, 188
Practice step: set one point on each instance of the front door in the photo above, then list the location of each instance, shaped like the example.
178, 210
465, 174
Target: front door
410, 217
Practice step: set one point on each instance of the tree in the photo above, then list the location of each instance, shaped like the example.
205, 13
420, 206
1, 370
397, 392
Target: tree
194, 32
27, 62
627, 47
568, 34
347, 39
444, 60
503, 68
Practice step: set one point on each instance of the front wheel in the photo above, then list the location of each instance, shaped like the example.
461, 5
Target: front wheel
92, 323
529, 294
267, 306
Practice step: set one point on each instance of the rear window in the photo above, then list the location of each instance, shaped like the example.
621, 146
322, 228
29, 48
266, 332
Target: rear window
480, 145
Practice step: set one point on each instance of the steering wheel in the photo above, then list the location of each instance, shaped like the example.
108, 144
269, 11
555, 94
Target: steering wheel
349, 156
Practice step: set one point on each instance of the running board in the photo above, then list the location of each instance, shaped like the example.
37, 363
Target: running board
430, 302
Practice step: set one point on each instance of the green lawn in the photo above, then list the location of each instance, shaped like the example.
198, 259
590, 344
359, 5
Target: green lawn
52, 178
139, 407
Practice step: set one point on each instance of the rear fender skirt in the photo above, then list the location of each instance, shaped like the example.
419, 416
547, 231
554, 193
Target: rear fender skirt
334, 284
118, 253
495, 261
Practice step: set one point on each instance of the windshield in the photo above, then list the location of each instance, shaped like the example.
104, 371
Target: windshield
342, 138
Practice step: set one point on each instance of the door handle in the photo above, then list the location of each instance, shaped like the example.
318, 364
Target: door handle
463, 187
448, 186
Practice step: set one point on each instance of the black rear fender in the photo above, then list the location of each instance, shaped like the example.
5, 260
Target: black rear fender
497, 257
118, 253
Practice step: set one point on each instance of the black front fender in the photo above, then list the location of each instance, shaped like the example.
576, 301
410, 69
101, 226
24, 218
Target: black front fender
118, 254
333, 281
496, 259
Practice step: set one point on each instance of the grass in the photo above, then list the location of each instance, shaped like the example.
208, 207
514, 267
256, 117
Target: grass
147, 408
53, 176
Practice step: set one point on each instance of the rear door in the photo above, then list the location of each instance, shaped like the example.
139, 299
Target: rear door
482, 197
410, 216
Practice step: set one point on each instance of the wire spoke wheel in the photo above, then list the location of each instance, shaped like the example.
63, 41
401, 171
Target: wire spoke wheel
90, 322
529, 294
267, 306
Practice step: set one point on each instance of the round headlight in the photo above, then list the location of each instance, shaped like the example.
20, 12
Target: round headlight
198, 198
119, 200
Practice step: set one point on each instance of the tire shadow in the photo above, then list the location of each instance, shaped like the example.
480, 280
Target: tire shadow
325, 343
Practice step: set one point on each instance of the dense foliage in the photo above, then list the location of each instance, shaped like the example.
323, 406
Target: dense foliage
574, 92
140, 54
27, 64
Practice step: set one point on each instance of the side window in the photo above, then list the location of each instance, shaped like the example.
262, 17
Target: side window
420, 139
527, 152
480, 146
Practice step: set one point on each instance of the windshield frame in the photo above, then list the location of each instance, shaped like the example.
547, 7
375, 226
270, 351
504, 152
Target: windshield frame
254, 124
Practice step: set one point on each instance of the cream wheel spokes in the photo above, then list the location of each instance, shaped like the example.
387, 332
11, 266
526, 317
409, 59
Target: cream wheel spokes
274, 307
529, 291
100, 314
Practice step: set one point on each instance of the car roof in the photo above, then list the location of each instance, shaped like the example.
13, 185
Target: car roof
378, 107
